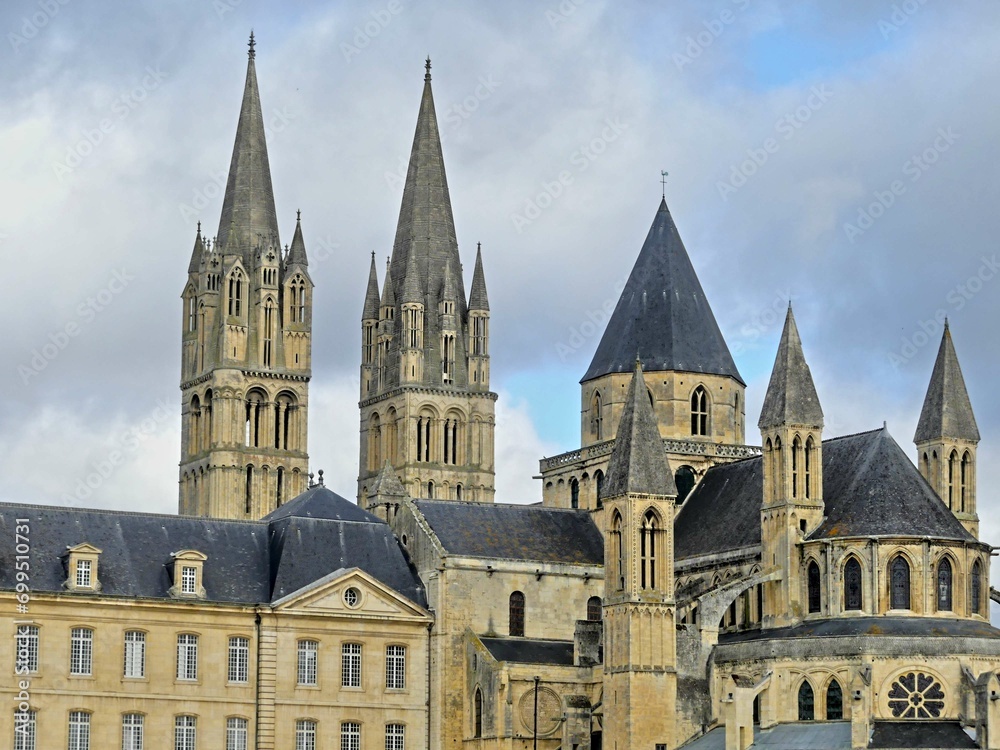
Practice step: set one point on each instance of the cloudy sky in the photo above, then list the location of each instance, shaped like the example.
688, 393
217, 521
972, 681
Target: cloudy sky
841, 155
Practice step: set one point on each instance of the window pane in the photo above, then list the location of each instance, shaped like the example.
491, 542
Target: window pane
24, 730
350, 736
236, 734
187, 657
395, 667
394, 737
834, 702
27, 648
135, 654
239, 659
307, 662
806, 708
184, 733
852, 585
132, 731
516, 614
79, 730
81, 651
305, 735
350, 671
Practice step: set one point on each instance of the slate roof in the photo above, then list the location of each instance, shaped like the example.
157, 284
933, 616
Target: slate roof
478, 299
663, 314
514, 532
297, 254
525, 651
870, 488
919, 734
813, 735
248, 205
637, 464
947, 411
249, 562
942, 627
387, 483
791, 394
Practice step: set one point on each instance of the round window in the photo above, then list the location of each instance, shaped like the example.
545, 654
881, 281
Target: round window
916, 696
352, 597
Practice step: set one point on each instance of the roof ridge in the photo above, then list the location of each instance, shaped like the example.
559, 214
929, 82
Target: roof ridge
115, 512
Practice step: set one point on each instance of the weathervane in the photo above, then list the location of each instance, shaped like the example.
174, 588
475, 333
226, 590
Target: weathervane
663, 182
251, 45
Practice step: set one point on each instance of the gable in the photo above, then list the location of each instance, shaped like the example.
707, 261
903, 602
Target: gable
330, 596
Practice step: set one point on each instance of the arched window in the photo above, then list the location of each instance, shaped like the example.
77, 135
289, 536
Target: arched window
194, 425
374, 442
236, 293
684, 479
284, 406
516, 614
807, 707
452, 426
976, 598
458, 491
699, 411
430, 490
280, 490
834, 701
206, 421
815, 595
255, 414
248, 497
853, 598
594, 609
574, 493
777, 470
192, 310
899, 582
966, 475
596, 417
599, 484
617, 551
424, 437
952, 478
944, 585
808, 466
738, 418
796, 450
647, 550
477, 714
268, 344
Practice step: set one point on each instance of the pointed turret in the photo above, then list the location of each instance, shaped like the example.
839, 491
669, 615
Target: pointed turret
248, 206
197, 253
388, 299
947, 437
478, 300
370, 311
637, 464
947, 411
412, 292
297, 254
791, 394
449, 286
386, 493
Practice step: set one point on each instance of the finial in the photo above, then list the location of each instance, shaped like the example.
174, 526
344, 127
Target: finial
427, 67
199, 232
388, 260
946, 322
663, 182
298, 215
321, 478
311, 482
479, 247
251, 45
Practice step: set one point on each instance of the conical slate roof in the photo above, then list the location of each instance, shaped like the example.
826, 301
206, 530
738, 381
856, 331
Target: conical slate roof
297, 255
197, 252
371, 296
638, 464
426, 224
388, 295
412, 288
791, 395
947, 410
248, 206
478, 300
663, 314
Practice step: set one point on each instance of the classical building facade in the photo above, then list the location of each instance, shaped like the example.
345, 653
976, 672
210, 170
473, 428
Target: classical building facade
676, 587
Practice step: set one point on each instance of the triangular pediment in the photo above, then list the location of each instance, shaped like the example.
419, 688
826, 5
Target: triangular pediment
331, 595
85, 548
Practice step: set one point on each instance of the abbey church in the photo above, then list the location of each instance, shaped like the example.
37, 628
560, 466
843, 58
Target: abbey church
678, 585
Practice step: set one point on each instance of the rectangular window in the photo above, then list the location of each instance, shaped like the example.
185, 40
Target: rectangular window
395, 667
27, 649
83, 573
79, 730
187, 657
350, 665
350, 736
239, 659
24, 730
236, 734
184, 733
189, 579
395, 737
135, 654
308, 662
81, 651
132, 731
305, 734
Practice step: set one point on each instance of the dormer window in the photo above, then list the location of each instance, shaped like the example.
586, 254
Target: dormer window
81, 568
188, 569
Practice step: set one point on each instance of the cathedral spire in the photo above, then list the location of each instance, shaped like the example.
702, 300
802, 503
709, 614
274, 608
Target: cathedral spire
248, 206
412, 291
370, 311
947, 411
478, 300
297, 254
637, 464
388, 291
199, 250
791, 394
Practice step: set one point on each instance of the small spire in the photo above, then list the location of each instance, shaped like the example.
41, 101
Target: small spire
478, 299
427, 67
791, 393
253, 52
370, 311
197, 253
388, 291
297, 252
947, 411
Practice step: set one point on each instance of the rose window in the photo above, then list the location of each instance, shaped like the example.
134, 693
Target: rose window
916, 695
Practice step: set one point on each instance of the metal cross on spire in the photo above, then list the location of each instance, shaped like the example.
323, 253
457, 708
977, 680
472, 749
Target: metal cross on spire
251, 45
427, 67
663, 182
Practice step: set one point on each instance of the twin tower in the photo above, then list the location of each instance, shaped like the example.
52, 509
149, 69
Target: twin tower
427, 413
